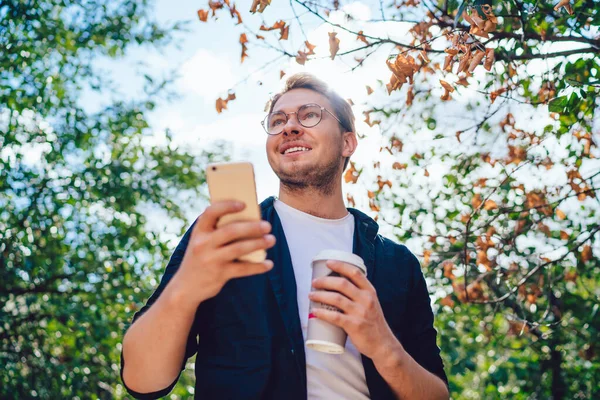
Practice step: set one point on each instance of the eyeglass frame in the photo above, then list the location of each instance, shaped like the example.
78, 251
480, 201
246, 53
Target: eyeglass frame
296, 112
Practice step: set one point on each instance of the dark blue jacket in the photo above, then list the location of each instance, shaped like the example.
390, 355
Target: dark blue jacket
251, 344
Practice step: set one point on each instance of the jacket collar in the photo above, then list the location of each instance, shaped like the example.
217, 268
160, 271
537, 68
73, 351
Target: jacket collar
282, 277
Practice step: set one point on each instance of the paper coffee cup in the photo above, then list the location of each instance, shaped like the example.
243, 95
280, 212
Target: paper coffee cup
323, 336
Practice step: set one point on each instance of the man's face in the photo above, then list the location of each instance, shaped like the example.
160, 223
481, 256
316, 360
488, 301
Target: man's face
321, 165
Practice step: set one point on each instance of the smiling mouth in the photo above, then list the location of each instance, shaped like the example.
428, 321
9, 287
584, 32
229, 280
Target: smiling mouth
296, 150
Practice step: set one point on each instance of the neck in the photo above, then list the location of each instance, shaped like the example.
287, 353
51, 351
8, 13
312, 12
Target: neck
328, 205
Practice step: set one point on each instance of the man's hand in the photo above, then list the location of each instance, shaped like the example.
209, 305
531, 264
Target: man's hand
362, 316
209, 260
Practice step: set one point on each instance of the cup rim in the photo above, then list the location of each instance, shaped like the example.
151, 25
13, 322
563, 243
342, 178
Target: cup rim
340, 255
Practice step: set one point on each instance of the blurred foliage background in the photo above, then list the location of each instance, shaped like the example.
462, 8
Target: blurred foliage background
502, 207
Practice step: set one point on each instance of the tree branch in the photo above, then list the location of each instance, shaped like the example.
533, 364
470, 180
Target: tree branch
502, 57
536, 269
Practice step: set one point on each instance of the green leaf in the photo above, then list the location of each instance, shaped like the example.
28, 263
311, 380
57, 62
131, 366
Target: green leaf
459, 13
558, 104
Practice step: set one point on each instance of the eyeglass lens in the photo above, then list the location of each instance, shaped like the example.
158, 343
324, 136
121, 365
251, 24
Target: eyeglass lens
308, 116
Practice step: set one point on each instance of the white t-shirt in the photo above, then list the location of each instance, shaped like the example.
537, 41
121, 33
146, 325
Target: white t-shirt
329, 376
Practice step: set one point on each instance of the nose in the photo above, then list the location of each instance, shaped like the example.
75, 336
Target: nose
292, 125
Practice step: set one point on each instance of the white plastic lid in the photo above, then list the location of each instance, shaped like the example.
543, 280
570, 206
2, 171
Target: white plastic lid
343, 256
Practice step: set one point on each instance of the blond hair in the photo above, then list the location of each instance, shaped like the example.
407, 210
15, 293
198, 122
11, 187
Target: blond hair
341, 108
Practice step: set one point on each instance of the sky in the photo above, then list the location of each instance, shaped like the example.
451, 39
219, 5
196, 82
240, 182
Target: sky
206, 60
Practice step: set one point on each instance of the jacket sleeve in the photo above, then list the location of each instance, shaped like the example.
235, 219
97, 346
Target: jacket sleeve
192, 341
419, 339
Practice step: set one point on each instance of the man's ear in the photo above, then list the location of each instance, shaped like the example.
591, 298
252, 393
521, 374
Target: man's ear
350, 144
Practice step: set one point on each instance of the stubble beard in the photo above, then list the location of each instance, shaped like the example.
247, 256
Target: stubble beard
320, 178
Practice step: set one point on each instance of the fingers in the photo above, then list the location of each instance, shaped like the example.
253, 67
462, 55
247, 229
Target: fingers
351, 272
242, 269
338, 284
241, 248
239, 230
334, 317
208, 220
334, 299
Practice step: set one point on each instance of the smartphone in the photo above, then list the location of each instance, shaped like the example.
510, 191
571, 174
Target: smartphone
235, 181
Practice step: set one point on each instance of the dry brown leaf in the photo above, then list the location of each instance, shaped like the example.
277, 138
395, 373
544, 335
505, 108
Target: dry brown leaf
243, 41
467, 18
235, 13
571, 276
351, 202
512, 71
448, 62
462, 80
545, 229
448, 269
497, 93
310, 48
369, 90
403, 69
362, 38
560, 214
368, 121
447, 90
259, 5
214, 6
566, 4
586, 253
490, 25
463, 64
476, 200
203, 15
516, 155
475, 60
334, 44
483, 259
397, 144
477, 31
489, 59
350, 102
399, 166
490, 205
281, 74
244, 53
301, 57
426, 257
373, 206
351, 174
447, 301
283, 29
564, 235
370, 194
383, 183
221, 105
479, 22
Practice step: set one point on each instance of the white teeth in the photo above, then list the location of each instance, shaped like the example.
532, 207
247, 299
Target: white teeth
293, 149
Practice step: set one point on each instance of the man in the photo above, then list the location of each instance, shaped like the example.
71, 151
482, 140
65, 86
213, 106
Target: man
247, 321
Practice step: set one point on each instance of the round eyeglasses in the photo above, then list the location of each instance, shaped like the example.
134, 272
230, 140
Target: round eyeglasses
308, 115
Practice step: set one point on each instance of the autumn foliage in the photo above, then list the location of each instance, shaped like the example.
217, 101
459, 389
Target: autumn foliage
490, 114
